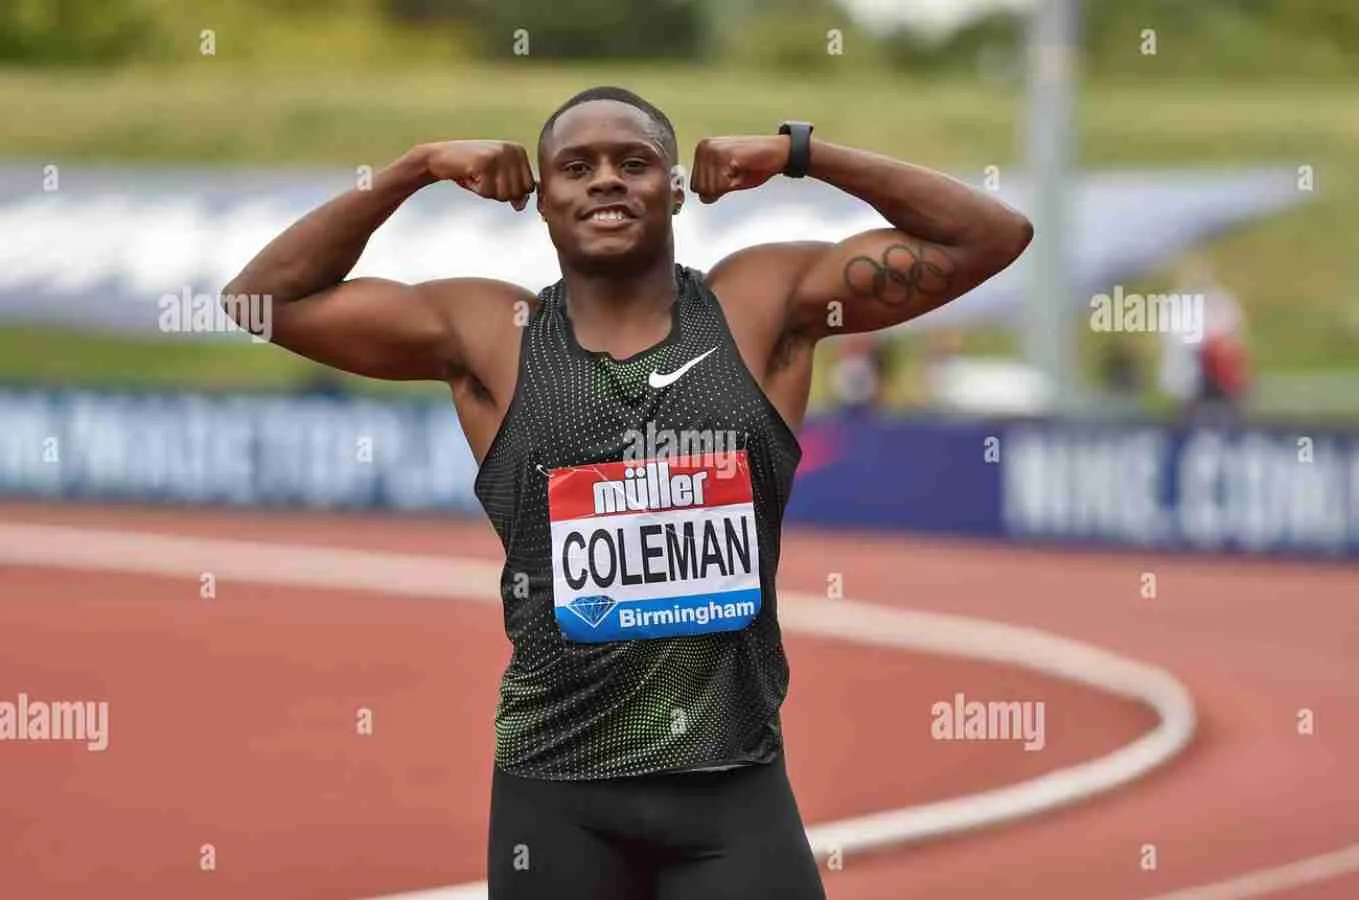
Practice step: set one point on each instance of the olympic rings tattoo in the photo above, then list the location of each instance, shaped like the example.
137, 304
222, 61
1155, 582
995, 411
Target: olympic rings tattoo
903, 272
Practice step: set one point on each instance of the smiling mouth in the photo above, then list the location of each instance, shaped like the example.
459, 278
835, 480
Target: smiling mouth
609, 216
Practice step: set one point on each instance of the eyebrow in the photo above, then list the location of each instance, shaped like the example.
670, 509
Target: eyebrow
591, 149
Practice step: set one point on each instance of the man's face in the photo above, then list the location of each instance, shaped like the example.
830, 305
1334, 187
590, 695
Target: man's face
605, 187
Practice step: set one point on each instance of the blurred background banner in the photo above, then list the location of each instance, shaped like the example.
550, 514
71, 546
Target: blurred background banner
318, 452
1144, 486
104, 253
1086, 483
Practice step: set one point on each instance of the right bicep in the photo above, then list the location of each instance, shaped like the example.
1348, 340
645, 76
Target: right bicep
368, 326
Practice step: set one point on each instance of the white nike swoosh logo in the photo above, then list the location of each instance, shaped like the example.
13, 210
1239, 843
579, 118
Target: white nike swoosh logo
658, 381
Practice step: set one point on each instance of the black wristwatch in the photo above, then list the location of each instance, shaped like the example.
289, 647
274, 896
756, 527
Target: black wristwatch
800, 149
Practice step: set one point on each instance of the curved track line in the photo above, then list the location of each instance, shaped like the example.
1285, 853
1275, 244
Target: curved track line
1266, 881
423, 575
995, 642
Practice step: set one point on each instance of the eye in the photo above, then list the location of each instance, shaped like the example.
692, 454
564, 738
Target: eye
635, 165
575, 168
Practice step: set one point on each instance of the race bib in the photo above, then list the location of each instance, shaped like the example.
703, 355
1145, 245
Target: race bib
650, 550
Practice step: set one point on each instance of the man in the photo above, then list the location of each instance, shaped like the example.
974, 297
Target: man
1204, 363
634, 424
859, 374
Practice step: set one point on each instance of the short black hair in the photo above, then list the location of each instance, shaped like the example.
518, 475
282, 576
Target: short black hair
608, 92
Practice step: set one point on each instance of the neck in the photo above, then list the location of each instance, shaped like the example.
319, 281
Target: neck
621, 302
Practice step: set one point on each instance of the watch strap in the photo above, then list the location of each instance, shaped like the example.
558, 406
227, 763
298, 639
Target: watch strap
799, 149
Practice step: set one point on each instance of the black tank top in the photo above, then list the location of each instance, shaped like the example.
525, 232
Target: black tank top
639, 502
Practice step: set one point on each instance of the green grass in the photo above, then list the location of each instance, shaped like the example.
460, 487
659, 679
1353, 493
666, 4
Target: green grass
1296, 274
214, 111
48, 356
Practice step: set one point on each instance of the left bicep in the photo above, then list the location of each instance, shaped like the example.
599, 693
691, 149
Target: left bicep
884, 277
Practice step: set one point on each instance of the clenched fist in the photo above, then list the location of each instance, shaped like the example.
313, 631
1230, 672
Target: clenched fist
496, 170
726, 164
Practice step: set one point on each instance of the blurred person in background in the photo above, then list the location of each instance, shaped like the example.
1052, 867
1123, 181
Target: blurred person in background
1208, 372
859, 373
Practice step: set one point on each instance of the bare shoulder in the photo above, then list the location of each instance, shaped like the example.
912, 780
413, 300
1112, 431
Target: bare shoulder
479, 307
474, 295
755, 287
485, 318
757, 282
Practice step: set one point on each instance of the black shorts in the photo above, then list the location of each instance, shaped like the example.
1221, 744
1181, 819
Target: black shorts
730, 835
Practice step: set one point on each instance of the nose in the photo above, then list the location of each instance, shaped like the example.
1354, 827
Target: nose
606, 180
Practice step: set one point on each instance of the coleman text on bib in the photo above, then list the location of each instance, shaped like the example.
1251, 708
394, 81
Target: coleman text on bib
652, 550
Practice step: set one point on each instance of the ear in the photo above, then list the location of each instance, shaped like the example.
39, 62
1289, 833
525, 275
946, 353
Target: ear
677, 179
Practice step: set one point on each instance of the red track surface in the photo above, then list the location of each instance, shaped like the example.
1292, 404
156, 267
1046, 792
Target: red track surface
233, 720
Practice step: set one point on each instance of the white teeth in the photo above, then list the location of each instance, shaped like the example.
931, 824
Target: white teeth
608, 215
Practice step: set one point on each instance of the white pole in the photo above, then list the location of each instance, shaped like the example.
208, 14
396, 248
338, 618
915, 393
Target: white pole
1049, 330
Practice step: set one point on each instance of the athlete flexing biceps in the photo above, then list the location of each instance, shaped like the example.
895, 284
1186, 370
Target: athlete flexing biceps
946, 238
635, 425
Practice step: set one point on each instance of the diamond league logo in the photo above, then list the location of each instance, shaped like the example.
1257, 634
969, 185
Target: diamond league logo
593, 609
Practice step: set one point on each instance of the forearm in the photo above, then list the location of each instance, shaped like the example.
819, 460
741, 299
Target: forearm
916, 200
319, 250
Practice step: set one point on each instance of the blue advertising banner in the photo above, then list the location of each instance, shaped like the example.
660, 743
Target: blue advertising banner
239, 450
1252, 490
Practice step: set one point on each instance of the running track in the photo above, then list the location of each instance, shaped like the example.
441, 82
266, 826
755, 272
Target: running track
233, 722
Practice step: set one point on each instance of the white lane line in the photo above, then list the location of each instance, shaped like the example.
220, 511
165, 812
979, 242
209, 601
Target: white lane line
430, 576
299, 565
1267, 881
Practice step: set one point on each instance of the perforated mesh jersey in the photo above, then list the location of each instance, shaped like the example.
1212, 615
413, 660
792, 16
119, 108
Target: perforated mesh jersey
574, 711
